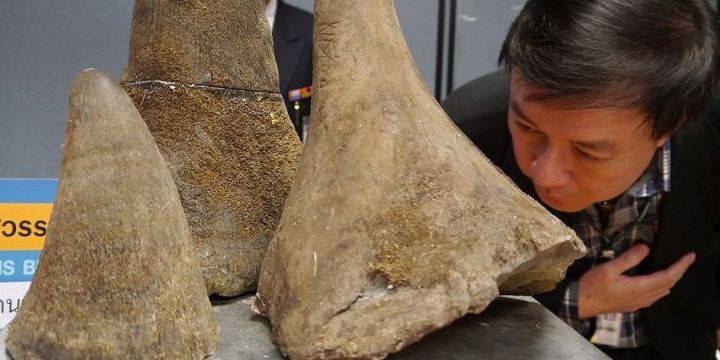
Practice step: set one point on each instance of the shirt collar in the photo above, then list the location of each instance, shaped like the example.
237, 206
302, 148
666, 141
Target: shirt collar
270, 11
657, 177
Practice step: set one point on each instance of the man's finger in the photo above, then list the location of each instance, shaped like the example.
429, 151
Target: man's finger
663, 279
630, 258
677, 270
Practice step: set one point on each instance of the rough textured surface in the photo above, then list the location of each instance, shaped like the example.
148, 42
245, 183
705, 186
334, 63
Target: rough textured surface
223, 43
396, 224
227, 139
118, 277
233, 157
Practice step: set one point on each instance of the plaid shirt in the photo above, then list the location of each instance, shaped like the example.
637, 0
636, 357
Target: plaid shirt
622, 231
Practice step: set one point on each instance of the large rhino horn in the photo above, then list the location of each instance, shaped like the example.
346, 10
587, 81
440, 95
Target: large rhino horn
118, 277
203, 75
396, 224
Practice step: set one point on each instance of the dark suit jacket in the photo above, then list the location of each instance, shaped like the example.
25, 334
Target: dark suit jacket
681, 325
292, 37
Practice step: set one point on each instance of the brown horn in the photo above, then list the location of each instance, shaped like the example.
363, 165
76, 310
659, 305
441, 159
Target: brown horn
203, 75
396, 224
117, 277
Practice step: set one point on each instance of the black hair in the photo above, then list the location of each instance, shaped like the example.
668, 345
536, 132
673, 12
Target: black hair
661, 56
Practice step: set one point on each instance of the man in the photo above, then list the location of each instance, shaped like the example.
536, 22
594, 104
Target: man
601, 116
292, 37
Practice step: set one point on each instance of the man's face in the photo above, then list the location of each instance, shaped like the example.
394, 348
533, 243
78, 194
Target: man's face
577, 157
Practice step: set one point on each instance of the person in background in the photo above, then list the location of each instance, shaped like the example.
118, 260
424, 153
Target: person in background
292, 37
602, 115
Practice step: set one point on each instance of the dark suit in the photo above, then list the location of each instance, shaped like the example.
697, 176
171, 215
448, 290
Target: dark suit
681, 325
292, 37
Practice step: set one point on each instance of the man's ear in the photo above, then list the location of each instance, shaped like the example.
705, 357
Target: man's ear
659, 142
662, 140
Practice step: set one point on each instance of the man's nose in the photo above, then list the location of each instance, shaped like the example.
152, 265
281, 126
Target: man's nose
548, 169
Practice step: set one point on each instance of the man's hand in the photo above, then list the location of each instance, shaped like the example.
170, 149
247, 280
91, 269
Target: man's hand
604, 289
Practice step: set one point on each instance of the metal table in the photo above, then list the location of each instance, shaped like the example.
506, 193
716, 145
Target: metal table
511, 328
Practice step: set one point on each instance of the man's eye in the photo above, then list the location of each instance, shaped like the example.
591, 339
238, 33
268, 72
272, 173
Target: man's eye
525, 127
588, 156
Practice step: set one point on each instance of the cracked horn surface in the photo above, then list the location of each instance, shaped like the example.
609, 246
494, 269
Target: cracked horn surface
220, 43
202, 74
